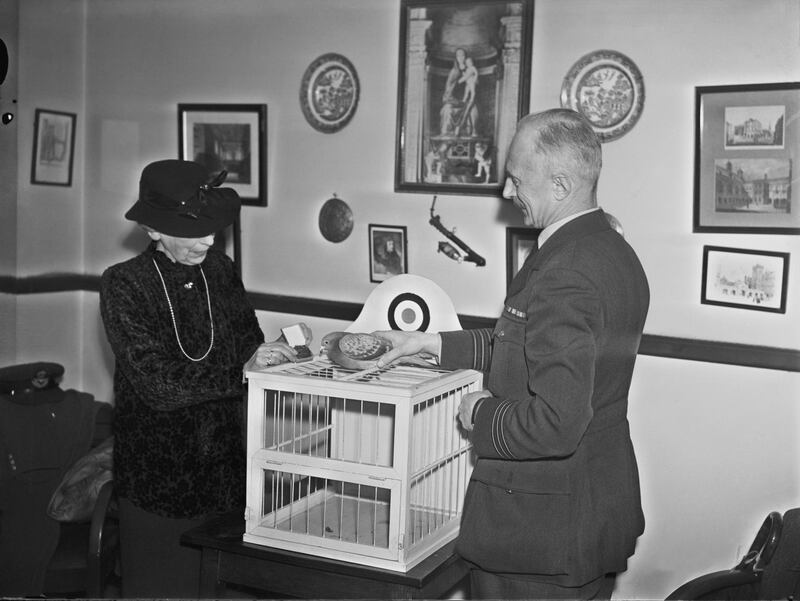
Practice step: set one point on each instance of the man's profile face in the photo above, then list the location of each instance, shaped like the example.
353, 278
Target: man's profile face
527, 183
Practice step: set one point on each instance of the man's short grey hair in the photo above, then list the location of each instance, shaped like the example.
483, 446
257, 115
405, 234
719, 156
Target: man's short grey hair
567, 139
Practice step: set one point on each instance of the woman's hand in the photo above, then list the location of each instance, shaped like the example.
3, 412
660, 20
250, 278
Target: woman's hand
274, 353
280, 351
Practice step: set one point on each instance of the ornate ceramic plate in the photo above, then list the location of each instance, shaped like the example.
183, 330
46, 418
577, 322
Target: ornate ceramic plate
329, 93
607, 88
335, 219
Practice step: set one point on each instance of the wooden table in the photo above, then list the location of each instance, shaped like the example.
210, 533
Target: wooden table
226, 559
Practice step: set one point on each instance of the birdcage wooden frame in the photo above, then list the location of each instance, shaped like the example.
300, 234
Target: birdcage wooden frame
364, 466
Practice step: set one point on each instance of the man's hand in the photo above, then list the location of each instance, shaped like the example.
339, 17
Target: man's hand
467, 406
405, 344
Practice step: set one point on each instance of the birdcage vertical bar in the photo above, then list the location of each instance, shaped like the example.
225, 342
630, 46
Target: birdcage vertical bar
441, 402
344, 431
358, 512
450, 418
291, 425
275, 500
341, 510
359, 425
452, 447
374, 515
376, 435
313, 447
282, 423
327, 425
324, 531
307, 500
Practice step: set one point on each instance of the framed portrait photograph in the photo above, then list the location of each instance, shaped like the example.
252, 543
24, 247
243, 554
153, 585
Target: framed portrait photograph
463, 83
745, 279
230, 137
53, 148
519, 243
747, 143
388, 254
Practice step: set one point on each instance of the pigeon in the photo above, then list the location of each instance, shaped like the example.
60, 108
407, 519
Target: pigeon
360, 351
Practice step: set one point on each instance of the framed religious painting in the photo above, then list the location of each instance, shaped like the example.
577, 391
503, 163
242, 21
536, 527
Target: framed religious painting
229, 137
53, 148
745, 279
463, 83
747, 145
388, 254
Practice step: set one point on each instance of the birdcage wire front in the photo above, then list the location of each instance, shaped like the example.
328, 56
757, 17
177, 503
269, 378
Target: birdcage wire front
326, 508
367, 466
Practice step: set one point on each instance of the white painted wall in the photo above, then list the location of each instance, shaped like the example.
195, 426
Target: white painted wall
8, 183
50, 219
715, 442
717, 448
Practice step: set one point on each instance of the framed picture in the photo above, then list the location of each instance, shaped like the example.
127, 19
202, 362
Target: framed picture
745, 279
519, 243
232, 137
388, 254
229, 241
747, 143
463, 83
53, 148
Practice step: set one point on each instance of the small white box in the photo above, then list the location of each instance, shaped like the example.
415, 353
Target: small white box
294, 335
366, 466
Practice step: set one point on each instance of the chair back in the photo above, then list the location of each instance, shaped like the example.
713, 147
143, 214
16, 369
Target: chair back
764, 544
781, 576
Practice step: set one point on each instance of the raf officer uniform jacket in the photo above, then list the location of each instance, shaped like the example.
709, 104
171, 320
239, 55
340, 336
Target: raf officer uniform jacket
555, 488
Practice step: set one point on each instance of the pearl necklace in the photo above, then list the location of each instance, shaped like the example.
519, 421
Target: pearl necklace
172, 315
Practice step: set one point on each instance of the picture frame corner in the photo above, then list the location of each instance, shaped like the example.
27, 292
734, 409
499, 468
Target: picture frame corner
253, 116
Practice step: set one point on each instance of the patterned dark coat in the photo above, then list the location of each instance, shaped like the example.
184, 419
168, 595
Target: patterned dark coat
555, 490
179, 448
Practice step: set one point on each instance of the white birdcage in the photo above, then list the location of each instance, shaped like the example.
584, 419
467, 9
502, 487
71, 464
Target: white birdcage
363, 466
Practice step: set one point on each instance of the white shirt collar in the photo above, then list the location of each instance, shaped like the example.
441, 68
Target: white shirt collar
551, 229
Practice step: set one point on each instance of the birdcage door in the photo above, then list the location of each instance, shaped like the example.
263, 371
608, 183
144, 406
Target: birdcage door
304, 507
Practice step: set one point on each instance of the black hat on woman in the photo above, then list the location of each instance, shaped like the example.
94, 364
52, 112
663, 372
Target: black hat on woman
180, 199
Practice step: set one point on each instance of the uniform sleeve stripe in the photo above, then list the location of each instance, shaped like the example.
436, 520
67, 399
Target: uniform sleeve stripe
498, 434
480, 348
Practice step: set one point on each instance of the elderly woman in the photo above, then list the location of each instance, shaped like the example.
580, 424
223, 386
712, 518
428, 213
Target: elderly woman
181, 328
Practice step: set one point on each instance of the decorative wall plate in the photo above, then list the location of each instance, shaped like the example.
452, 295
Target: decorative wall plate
607, 88
335, 220
329, 93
